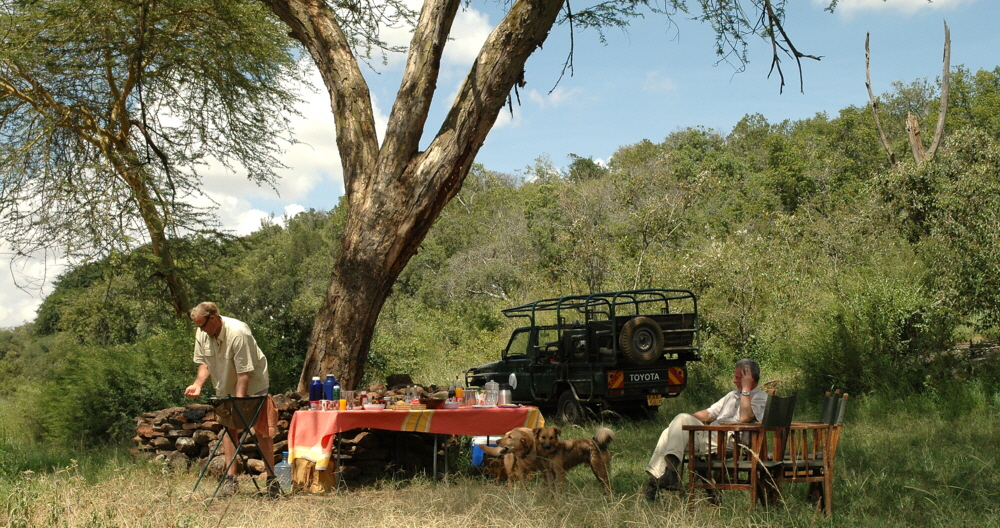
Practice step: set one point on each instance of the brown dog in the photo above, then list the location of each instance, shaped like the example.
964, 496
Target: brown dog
519, 450
563, 455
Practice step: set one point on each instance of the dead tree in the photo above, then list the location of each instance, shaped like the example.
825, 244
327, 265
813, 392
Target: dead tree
912, 125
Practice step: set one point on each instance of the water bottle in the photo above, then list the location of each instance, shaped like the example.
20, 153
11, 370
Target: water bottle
328, 387
283, 470
336, 390
315, 393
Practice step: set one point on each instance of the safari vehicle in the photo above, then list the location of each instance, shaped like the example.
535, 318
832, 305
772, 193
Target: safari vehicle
620, 351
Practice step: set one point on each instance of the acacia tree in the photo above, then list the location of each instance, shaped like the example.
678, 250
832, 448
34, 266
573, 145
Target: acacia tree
395, 191
109, 107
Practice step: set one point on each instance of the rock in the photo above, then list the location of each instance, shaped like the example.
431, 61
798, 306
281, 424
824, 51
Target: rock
281, 446
195, 412
162, 444
215, 427
285, 403
203, 437
179, 433
186, 445
256, 466
178, 460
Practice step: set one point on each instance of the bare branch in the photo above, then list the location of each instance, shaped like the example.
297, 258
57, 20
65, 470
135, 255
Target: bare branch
945, 90
874, 100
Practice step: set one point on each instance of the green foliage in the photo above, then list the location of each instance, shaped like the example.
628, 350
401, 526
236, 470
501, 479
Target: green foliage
99, 391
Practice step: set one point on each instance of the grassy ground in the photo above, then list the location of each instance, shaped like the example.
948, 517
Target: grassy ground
920, 461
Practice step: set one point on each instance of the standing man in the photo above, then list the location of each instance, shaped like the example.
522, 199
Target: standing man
745, 404
226, 351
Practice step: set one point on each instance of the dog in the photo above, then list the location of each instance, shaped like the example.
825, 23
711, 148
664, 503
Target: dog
562, 455
519, 449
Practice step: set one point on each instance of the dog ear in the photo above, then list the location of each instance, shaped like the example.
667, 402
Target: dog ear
558, 431
537, 431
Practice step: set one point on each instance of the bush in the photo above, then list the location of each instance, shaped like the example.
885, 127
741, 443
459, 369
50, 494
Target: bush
882, 334
99, 390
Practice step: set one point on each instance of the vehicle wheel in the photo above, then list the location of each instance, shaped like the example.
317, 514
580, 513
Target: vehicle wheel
569, 409
641, 341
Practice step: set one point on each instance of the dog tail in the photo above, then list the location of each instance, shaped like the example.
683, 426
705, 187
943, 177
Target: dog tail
603, 436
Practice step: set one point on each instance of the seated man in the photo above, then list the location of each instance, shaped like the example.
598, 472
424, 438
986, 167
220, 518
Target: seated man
745, 405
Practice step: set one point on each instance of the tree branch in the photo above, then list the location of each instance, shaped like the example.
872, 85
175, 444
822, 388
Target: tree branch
945, 90
316, 27
416, 92
871, 96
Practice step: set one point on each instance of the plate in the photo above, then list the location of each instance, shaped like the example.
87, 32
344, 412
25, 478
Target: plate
484, 406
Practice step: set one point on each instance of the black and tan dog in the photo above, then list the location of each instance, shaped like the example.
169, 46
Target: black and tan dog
563, 455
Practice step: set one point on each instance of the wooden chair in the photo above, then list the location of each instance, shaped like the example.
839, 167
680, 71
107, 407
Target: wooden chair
749, 464
812, 449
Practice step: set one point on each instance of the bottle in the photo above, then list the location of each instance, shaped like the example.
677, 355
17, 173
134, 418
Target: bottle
328, 387
336, 390
315, 393
283, 470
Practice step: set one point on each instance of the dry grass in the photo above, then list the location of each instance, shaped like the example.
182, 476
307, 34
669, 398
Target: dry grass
912, 462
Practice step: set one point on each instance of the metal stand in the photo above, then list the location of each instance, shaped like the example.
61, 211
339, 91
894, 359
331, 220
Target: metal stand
232, 413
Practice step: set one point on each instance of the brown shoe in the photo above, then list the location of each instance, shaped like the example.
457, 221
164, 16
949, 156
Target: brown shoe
670, 480
229, 487
650, 490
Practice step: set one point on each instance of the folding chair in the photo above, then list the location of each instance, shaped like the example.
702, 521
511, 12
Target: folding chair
749, 465
812, 449
235, 414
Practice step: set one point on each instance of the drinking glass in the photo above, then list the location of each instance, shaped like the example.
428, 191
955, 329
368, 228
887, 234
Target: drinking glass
349, 396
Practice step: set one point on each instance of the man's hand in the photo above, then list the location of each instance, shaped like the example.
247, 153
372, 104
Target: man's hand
747, 381
193, 391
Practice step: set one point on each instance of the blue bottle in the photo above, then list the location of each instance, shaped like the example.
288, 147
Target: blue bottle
328, 387
315, 390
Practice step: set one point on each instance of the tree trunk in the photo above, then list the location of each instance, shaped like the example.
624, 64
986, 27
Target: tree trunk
394, 193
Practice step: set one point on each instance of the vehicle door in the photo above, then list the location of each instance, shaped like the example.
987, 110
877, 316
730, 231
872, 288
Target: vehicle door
546, 364
518, 357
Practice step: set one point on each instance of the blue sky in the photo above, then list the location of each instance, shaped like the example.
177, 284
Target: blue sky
658, 77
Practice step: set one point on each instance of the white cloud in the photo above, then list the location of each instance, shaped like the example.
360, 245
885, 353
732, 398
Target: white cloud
23, 285
554, 99
468, 34
849, 8
658, 83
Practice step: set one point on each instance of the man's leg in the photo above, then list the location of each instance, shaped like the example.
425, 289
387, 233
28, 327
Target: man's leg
266, 444
229, 449
664, 465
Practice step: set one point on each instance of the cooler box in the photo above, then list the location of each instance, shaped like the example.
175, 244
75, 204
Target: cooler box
477, 453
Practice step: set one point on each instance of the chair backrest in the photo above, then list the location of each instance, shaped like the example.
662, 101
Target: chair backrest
778, 411
834, 407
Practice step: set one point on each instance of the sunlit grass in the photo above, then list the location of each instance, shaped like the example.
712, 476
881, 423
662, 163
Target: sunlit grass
909, 462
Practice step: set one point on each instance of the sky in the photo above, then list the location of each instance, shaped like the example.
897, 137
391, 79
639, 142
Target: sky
659, 76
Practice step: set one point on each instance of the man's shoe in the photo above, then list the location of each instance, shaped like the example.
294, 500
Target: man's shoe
273, 488
670, 480
651, 488
229, 487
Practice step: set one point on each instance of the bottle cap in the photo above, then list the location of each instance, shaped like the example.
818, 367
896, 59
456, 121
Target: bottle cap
315, 378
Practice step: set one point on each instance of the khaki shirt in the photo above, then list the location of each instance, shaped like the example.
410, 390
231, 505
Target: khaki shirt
233, 352
727, 409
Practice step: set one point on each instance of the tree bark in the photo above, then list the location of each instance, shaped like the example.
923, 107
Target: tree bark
395, 193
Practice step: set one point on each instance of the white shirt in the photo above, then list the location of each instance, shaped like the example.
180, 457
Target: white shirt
727, 409
233, 352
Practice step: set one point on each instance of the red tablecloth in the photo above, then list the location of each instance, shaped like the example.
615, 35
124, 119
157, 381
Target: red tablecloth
310, 434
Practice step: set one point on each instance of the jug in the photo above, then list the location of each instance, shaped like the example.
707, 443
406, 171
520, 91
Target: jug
504, 395
492, 392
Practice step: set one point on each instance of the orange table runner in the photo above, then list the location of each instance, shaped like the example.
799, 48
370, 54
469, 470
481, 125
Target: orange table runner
311, 433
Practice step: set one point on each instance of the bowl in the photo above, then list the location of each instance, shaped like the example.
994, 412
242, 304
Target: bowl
450, 405
432, 403
374, 406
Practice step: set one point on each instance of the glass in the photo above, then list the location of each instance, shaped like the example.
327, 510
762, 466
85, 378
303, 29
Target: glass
203, 325
349, 396
470, 398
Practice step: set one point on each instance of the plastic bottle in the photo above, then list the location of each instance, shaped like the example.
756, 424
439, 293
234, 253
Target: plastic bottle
336, 390
283, 470
315, 390
328, 387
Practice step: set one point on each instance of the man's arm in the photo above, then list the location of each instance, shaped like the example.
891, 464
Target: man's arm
242, 382
194, 389
704, 416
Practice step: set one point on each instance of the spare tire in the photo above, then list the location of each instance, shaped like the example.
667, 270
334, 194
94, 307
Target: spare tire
641, 341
